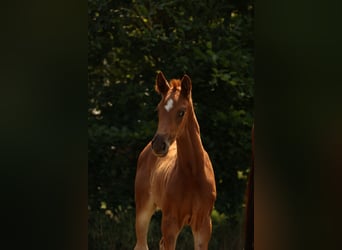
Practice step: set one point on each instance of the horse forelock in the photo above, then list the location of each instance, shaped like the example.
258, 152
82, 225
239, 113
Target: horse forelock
175, 84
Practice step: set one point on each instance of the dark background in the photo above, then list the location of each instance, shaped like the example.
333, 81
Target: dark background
44, 125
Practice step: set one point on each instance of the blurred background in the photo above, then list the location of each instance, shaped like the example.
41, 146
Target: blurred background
128, 42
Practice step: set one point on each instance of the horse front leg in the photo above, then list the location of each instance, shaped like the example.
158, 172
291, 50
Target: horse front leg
170, 230
144, 211
202, 233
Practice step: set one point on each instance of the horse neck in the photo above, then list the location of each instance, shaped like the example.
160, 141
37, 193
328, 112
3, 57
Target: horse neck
190, 150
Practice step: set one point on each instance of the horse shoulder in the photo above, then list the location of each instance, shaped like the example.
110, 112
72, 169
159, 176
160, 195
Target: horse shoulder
146, 161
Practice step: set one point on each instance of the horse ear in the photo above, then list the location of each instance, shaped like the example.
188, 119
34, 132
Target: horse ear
186, 86
162, 86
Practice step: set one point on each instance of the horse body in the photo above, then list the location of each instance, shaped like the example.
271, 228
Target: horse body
174, 172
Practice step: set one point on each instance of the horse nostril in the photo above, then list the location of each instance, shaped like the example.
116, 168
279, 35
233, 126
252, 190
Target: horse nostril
159, 145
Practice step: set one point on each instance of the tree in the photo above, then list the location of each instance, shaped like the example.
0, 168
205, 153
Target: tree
129, 42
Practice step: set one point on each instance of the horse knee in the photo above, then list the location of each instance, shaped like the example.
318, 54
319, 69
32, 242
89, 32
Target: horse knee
167, 242
202, 234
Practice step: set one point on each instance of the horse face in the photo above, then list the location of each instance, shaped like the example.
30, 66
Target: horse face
172, 112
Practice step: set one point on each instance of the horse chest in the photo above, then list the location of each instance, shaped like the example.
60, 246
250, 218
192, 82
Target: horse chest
169, 185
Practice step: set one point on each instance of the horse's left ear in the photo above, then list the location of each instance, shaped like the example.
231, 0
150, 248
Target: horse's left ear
186, 86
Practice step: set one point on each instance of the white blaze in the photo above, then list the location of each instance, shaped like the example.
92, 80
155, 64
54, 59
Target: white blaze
169, 105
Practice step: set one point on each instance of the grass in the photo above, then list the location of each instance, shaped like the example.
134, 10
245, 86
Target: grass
114, 230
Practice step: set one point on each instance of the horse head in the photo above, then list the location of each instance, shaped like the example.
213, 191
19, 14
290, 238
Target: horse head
172, 110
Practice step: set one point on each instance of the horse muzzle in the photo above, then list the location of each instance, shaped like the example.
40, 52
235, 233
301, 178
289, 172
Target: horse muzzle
160, 145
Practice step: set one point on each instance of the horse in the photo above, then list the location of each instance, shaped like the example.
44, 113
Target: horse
174, 172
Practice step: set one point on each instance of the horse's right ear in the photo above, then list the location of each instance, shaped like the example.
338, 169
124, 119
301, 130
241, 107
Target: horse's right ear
162, 86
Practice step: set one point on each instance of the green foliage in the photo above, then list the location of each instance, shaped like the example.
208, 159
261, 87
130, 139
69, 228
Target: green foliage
211, 41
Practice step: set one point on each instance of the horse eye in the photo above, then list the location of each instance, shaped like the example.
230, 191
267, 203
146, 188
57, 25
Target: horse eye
181, 113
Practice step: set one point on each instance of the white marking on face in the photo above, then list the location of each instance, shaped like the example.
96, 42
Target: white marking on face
169, 105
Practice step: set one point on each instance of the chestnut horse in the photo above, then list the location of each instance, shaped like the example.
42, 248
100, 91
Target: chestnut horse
174, 172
